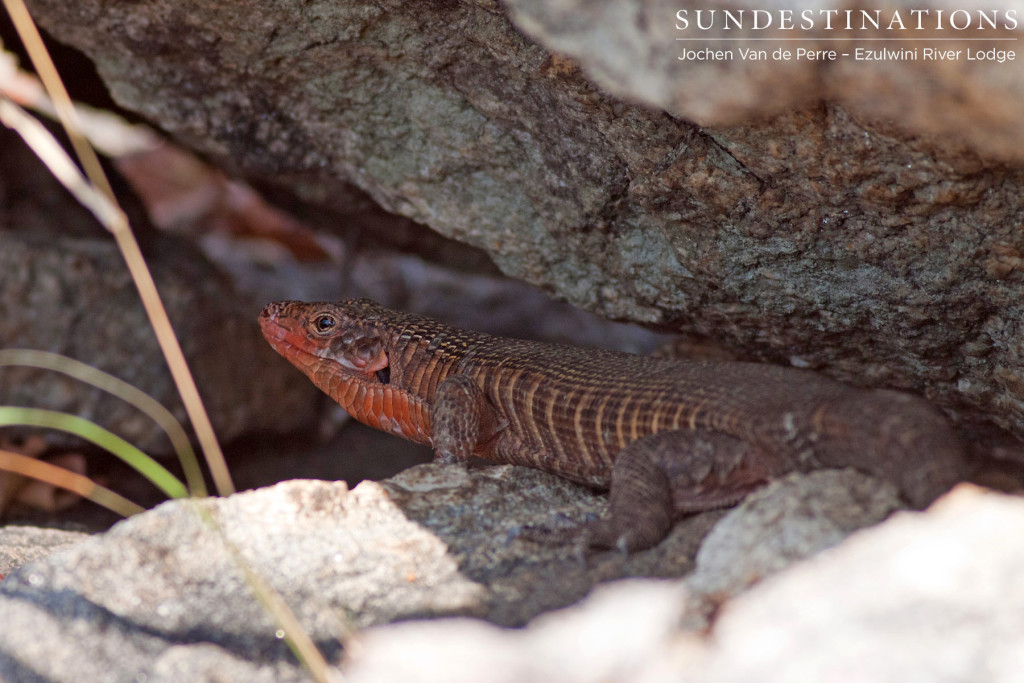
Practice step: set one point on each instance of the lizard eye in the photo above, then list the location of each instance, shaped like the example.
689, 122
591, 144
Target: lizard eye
324, 323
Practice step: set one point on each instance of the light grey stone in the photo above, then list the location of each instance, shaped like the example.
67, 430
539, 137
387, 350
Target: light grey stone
921, 598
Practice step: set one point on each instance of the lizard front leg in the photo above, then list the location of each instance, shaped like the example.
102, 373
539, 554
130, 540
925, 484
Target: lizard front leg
658, 477
461, 418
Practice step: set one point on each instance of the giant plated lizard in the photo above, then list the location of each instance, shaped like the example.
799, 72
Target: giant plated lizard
668, 437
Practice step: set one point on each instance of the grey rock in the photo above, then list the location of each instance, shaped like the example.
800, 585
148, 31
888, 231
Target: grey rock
161, 596
159, 591
631, 49
187, 593
788, 520
21, 544
919, 598
922, 597
630, 630
485, 519
74, 296
211, 663
836, 236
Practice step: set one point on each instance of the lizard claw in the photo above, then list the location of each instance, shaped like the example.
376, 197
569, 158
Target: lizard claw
446, 457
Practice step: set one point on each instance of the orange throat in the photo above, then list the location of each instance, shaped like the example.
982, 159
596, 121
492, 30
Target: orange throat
364, 397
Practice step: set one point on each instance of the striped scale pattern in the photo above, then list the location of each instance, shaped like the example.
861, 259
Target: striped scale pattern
570, 411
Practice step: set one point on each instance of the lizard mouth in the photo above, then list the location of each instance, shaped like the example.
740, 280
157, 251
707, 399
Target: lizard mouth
281, 339
272, 331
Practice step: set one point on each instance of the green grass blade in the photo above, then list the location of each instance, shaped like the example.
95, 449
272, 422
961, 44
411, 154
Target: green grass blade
90, 431
124, 391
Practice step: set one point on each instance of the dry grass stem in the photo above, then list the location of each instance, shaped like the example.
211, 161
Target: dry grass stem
114, 220
65, 479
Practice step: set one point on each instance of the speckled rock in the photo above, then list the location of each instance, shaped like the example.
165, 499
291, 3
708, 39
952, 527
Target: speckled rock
160, 593
434, 541
922, 597
636, 50
788, 520
21, 544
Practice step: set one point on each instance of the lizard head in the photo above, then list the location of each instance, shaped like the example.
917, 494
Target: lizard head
326, 340
343, 348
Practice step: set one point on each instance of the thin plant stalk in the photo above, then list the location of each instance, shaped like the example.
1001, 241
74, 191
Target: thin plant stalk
117, 224
296, 637
65, 479
105, 439
122, 390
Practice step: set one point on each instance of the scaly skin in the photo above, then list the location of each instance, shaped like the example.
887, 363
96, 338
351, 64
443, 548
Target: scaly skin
667, 436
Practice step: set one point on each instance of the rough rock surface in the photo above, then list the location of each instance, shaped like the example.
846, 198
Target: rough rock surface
74, 296
885, 252
923, 598
159, 592
633, 49
789, 520
21, 544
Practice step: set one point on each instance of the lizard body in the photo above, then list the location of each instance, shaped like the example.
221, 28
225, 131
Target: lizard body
667, 436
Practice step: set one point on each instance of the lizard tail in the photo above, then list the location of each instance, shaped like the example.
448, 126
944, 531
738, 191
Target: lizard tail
902, 438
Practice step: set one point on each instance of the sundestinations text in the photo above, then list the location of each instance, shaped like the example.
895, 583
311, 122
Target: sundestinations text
847, 19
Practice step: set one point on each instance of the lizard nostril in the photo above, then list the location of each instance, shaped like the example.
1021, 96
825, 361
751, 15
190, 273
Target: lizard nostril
275, 309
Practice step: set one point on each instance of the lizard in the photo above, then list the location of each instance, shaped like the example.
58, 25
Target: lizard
667, 437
